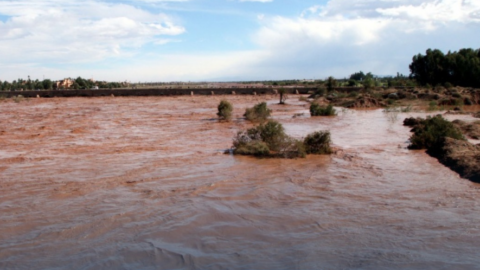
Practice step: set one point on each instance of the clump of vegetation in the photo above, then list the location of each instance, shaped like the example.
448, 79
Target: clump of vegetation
412, 121
283, 95
320, 92
368, 84
259, 113
467, 101
225, 110
18, 99
317, 110
353, 94
331, 84
270, 140
318, 143
244, 146
390, 101
432, 106
458, 102
454, 68
429, 133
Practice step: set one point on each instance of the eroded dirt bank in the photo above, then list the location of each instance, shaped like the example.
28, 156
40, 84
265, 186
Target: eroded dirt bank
141, 183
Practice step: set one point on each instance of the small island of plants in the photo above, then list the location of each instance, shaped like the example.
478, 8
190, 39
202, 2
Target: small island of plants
270, 140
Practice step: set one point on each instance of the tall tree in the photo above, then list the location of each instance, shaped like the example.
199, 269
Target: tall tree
331, 84
460, 68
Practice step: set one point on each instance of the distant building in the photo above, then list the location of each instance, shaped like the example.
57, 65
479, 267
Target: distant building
66, 83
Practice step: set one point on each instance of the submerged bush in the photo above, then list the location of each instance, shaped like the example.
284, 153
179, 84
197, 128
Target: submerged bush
317, 110
273, 134
429, 133
318, 143
225, 110
269, 139
259, 113
18, 98
253, 148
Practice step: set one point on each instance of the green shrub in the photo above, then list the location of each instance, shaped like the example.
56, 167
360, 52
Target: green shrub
259, 113
331, 84
253, 148
320, 92
458, 102
456, 95
353, 94
352, 82
318, 143
273, 134
225, 110
292, 148
268, 139
368, 84
429, 133
432, 106
317, 110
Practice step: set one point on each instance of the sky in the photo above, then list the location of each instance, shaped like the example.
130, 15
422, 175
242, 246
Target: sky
226, 40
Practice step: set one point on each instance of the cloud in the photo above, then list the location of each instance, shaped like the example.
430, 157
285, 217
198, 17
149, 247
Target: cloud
380, 36
436, 12
338, 38
76, 32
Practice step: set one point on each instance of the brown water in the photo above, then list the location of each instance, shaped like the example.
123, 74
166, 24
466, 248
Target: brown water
141, 183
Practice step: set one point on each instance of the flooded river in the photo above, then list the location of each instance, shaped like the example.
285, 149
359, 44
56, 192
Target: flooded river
142, 183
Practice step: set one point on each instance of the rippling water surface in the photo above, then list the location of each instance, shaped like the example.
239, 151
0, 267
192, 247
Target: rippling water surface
141, 183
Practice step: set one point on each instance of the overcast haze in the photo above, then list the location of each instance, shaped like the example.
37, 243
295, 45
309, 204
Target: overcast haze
194, 40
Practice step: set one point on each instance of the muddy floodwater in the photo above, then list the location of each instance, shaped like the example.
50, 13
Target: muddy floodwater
142, 183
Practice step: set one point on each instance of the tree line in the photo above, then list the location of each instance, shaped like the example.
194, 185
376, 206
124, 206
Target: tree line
47, 84
460, 68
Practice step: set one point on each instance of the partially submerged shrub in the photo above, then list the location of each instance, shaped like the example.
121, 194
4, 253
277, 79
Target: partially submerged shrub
318, 143
273, 134
18, 98
320, 92
225, 110
412, 121
253, 148
259, 113
269, 140
317, 110
429, 133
